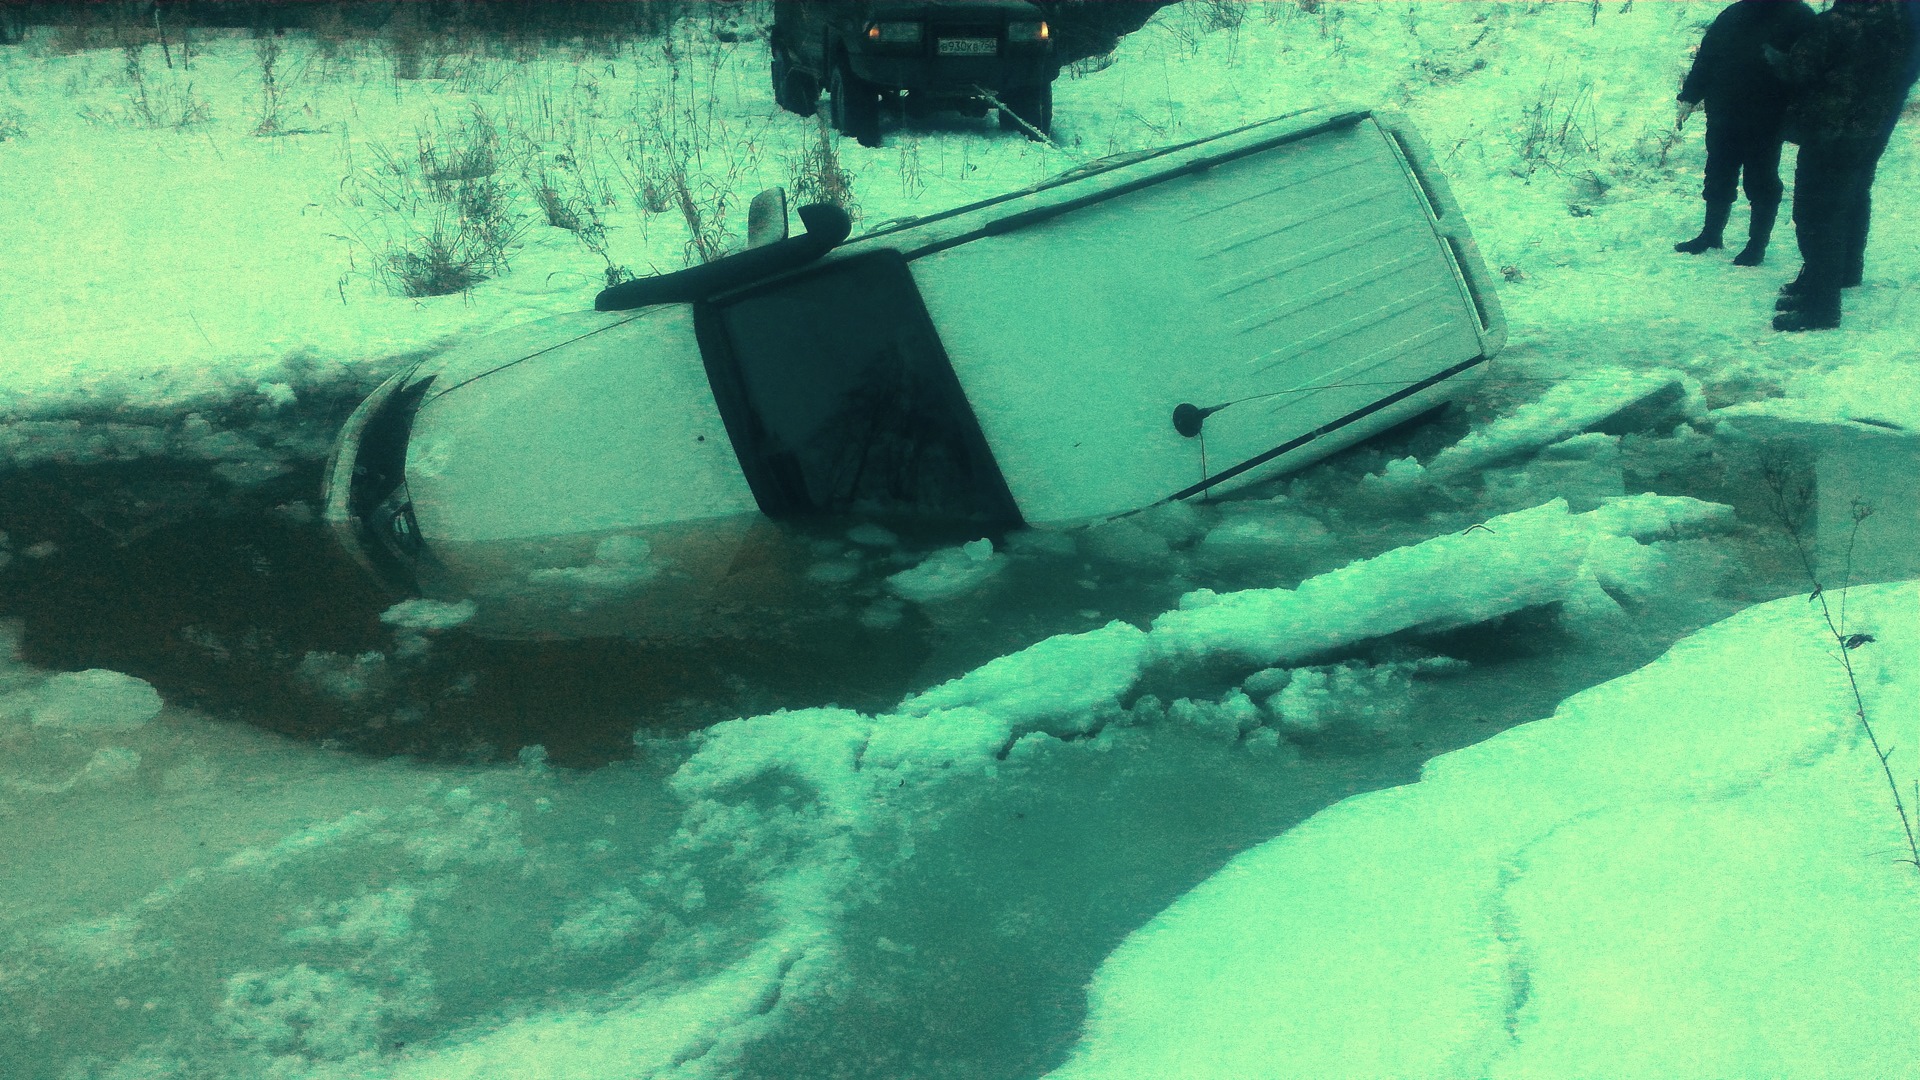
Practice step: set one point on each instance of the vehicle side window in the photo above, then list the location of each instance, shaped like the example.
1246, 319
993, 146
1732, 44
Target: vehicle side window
840, 399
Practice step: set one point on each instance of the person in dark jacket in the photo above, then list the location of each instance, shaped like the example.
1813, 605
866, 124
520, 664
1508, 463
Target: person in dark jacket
1746, 108
1851, 72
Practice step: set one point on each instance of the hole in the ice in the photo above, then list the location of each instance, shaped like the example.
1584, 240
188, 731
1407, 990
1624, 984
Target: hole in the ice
233, 599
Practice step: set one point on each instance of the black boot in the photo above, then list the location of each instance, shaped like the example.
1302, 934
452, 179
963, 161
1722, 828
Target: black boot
1814, 313
1790, 292
1710, 233
1759, 231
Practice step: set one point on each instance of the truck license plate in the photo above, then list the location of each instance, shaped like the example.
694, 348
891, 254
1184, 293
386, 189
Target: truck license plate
968, 46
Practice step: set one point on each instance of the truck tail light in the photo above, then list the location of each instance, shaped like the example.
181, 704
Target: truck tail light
1029, 30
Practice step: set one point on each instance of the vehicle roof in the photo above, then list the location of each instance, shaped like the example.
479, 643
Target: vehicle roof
1313, 267
1248, 138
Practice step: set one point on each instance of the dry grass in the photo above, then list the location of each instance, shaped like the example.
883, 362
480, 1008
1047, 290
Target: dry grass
449, 221
1559, 126
163, 99
817, 175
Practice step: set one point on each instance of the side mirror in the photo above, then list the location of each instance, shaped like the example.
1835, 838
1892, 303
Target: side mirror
767, 218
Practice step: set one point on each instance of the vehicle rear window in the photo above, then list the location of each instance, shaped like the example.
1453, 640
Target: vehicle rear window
840, 399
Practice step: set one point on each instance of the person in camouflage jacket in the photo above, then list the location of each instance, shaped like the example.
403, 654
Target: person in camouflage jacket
1746, 109
1851, 72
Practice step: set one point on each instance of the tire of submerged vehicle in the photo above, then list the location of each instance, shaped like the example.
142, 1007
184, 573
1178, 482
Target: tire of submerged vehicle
794, 90
854, 105
1034, 104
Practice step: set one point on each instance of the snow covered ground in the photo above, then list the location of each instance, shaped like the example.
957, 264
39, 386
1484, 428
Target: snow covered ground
1682, 872
1131, 756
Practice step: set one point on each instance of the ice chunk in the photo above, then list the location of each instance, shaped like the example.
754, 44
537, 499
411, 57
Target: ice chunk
1263, 534
1514, 561
821, 747
1403, 472
429, 614
1064, 676
839, 788
948, 573
1372, 698
1267, 681
1226, 719
95, 699
1565, 410
1518, 560
1266, 741
914, 750
1649, 517
1585, 470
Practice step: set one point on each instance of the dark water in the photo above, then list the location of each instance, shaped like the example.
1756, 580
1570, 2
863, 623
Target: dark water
216, 594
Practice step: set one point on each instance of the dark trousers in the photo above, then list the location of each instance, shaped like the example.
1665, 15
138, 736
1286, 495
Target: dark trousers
1832, 207
1742, 152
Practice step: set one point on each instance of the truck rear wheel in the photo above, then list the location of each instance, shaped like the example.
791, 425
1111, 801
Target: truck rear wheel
1034, 104
794, 90
855, 105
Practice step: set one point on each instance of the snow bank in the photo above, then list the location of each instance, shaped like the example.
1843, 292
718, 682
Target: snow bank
1870, 388
1688, 871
